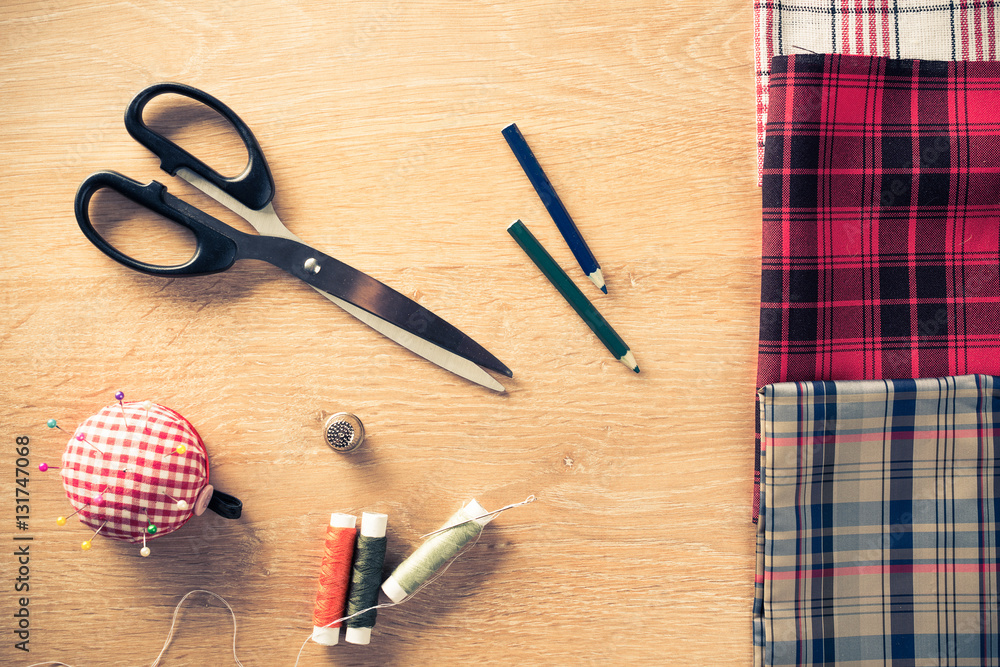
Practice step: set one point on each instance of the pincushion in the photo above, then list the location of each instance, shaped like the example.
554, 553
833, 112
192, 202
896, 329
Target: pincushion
137, 470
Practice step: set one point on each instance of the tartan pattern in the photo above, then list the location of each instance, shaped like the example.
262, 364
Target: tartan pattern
879, 523
138, 443
925, 29
881, 196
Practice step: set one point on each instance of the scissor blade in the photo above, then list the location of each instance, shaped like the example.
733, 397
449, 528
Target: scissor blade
331, 275
266, 222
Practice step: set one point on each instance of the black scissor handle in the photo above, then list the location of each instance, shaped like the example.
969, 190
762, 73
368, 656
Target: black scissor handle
215, 250
253, 188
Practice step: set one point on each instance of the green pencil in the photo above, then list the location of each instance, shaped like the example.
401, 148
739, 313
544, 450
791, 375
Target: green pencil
543, 260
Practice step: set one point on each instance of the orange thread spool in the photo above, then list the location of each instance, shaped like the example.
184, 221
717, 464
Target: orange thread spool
334, 578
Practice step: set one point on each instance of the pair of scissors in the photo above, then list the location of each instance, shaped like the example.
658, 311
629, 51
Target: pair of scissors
249, 195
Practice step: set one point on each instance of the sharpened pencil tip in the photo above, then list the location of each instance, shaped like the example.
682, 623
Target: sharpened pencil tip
629, 360
597, 277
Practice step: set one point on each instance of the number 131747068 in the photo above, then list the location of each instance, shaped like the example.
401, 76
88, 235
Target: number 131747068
22, 476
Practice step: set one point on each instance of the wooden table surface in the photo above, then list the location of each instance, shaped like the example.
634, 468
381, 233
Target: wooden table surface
381, 124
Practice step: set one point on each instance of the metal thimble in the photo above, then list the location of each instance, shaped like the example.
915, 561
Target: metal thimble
343, 432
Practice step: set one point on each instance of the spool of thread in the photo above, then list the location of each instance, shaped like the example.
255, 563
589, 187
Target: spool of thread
369, 555
416, 570
334, 575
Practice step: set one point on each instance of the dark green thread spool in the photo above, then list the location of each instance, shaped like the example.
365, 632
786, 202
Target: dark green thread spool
366, 575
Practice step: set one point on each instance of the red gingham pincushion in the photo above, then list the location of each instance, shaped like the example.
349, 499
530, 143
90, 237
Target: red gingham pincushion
140, 476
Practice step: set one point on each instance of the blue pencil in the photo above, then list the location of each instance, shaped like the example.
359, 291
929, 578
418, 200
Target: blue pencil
548, 195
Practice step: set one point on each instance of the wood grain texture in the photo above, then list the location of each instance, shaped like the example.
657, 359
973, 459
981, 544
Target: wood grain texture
381, 123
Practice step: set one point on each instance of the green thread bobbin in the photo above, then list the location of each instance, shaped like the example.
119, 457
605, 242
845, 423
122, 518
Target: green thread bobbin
366, 573
462, 528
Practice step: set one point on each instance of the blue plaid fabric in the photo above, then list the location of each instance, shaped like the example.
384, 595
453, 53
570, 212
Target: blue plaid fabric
878, 521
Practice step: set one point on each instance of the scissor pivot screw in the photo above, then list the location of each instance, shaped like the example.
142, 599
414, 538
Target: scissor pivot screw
312, 265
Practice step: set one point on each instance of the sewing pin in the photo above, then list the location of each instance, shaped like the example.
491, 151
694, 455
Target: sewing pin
181, 504
151, 527
45, 466
147, 405
179, 449
96, 499
86, 543
80, 438
119, 395
52, 423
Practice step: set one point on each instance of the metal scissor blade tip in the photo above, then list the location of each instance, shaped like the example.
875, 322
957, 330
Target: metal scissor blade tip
495, 386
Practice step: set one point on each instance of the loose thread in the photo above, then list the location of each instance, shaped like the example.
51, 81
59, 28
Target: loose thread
173, 624
170, 634
334, 576
526, 501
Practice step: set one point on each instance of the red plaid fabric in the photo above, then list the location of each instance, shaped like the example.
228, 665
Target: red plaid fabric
138, 477
881, 221
927, 29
